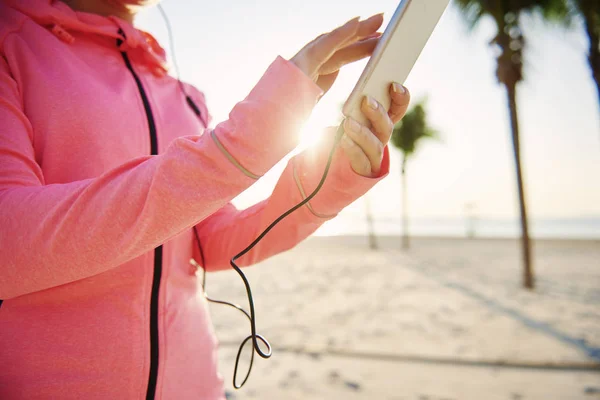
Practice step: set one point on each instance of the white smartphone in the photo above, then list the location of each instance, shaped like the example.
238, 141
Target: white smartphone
396, 53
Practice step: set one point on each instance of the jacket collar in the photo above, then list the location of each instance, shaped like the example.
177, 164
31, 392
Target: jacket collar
61, 19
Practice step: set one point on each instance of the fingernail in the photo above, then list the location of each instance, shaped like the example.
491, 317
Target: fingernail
371, 102
352, 125
375, 16
398, 88
372, 36
352, 20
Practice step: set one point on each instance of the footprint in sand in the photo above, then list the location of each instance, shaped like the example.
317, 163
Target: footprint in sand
334, 376
590, 390
352, 385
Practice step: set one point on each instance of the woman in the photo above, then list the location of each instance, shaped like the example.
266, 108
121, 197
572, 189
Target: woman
107, 165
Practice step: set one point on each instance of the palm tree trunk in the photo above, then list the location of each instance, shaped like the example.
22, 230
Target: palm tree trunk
594, 52
370, 227
405, 238
528, 277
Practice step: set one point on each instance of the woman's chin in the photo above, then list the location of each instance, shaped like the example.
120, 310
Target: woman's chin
134, 3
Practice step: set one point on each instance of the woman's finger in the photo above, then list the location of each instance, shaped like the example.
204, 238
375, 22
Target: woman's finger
367, 141
349, 54
326, 45
400, 101
316, 53
381, 122
366, 28
370, 25
325, 82
358, 159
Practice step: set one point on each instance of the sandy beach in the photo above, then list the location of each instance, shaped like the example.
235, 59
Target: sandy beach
446, 320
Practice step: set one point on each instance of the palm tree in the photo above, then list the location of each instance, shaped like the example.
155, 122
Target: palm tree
590, 12
405, 137
509, 72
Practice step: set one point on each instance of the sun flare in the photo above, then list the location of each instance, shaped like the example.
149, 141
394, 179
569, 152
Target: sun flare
320, 119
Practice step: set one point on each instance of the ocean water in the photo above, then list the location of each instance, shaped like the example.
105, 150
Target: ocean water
559, 228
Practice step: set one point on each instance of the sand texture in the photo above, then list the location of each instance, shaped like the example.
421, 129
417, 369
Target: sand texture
446, 320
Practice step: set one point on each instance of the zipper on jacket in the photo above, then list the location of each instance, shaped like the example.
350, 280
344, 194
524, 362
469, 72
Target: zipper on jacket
151, 391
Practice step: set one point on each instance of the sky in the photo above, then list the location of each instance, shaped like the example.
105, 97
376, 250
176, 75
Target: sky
224, 47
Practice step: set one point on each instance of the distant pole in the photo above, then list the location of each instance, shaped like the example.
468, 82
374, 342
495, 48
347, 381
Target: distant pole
405, 239
370, 226
470, 219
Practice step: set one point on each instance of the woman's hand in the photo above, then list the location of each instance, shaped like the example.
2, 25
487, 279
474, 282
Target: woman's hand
365, 146
322, 58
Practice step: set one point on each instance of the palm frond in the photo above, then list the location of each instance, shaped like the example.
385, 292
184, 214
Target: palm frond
409, 132
554, 11
558, 12
472, 11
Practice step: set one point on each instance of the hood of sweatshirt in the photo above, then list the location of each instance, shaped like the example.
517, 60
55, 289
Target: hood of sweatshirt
63, 21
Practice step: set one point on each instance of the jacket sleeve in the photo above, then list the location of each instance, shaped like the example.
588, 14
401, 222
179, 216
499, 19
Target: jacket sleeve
228, 231
52, 234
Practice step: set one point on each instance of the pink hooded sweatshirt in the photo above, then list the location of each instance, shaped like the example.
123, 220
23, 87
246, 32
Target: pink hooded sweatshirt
104, 171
